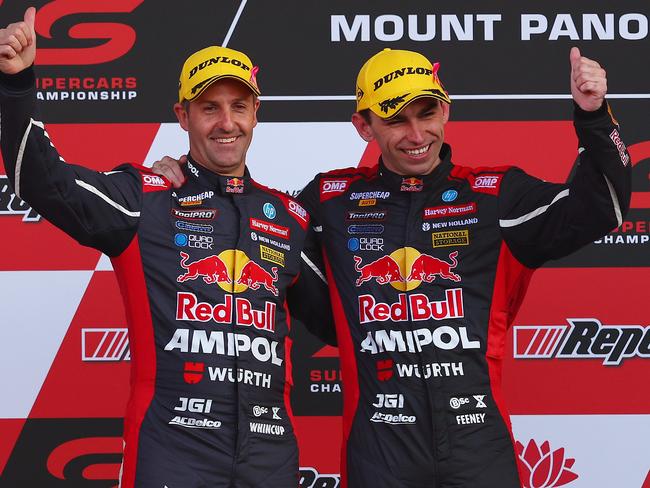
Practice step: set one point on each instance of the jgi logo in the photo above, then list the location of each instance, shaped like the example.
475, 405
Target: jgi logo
196, 405
389, 400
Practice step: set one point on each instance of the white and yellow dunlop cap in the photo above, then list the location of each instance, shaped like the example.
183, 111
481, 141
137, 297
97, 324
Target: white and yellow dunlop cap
392, 79
213, 63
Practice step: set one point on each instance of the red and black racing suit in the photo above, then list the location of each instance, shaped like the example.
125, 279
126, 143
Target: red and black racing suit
426, 276
205, 272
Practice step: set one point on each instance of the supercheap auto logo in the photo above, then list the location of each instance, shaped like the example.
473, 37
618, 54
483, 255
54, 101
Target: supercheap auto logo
109, 41
585, 338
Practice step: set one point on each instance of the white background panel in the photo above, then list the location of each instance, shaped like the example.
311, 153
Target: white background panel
283, 155
610, 451
37, 308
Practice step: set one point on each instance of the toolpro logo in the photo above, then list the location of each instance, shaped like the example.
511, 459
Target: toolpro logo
406, 268
544, 467
223, 267
582, 339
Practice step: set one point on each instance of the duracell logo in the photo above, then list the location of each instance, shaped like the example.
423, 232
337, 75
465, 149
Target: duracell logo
407, 70
218, 59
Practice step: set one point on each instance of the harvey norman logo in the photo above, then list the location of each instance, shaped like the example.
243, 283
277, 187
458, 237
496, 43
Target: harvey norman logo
582, 339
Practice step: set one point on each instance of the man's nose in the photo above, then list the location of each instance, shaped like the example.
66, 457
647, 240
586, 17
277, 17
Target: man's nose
415, 132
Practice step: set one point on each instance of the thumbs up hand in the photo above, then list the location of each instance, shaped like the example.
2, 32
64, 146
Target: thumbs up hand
588, 81
18, 44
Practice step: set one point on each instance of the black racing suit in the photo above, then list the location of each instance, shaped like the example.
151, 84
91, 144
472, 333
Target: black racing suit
205, 272
426, 275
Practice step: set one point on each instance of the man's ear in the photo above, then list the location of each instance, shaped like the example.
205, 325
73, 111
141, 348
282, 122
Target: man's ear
446, 109
362, 126
181, 115
256, 107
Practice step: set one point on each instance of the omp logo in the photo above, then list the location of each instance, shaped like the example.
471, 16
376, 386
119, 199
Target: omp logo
486, 182
333, 186
582, 339
117, 38
105, 344
10, 204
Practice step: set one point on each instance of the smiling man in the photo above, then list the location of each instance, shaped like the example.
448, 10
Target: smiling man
428, 263
206, 272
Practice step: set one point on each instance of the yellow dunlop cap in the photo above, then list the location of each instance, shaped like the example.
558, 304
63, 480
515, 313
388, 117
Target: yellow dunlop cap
212, 63
391, 79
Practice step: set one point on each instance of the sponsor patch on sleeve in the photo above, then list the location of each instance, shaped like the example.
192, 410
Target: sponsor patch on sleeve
152, 182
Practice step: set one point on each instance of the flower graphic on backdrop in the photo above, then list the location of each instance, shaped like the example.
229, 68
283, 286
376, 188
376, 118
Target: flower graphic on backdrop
543, 468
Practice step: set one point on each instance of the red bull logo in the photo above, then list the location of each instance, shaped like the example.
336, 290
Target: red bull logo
406, 268
254, 276
220, 269
426, 268
415, 307
212, 269
234, 185
384, 270
411, 184
190, 309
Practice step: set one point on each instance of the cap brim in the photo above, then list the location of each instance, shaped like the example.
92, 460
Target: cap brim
393, 106
208, 82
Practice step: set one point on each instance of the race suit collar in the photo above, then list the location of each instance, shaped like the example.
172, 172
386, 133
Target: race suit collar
227, 185
416, 183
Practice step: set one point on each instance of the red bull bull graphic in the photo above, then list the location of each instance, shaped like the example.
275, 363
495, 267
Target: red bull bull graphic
406, 262
220, 268
384, 270
426, 268
212, 269
254, 276
411, 184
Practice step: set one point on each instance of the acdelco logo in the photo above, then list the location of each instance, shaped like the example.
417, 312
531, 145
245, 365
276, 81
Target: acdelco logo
117, 39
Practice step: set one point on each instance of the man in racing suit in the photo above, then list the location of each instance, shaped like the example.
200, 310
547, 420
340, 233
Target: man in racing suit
205, 271
427, 264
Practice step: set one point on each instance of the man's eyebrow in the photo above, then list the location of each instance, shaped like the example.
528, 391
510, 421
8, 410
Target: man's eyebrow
427, 108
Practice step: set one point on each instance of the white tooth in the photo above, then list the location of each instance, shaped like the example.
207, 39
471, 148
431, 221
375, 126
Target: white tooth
416, 152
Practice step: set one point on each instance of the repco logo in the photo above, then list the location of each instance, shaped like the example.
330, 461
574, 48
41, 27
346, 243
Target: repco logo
116, 39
